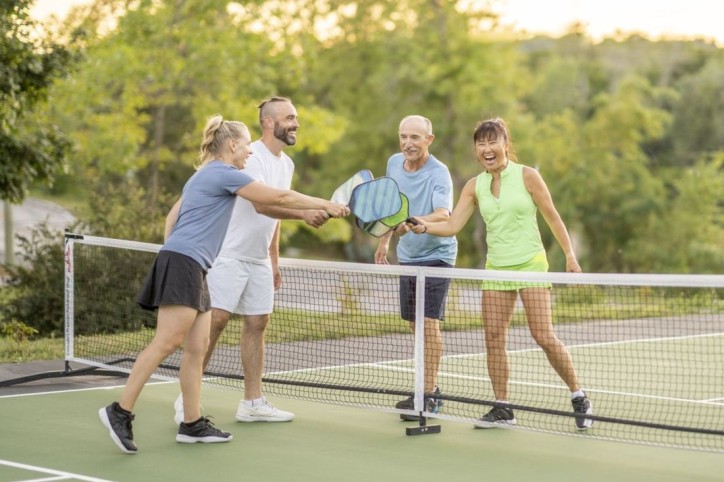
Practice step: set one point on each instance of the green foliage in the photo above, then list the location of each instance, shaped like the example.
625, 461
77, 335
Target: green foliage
693, 240
31, 151
102, 304
35, 288
36, 349
122, 209
619, 129
581, 294
34, 291
17, 331
16, 335
699, 114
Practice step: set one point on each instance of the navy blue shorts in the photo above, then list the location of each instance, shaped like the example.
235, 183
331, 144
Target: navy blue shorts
435, 293
175, 279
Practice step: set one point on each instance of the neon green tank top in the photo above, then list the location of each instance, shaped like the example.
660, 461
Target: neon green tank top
510, 220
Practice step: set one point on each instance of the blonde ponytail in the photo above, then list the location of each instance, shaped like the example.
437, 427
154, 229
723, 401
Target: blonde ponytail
216, 133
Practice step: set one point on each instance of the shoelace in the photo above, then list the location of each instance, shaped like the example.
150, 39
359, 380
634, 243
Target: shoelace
207, 420
127, 422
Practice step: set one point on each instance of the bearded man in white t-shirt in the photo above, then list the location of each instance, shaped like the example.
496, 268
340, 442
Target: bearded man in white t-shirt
246, 272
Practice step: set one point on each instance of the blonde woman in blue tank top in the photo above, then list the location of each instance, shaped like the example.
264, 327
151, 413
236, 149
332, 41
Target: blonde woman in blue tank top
508, 195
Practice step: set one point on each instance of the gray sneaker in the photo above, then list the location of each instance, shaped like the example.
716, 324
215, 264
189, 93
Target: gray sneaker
118, 423
498, 416
584, 406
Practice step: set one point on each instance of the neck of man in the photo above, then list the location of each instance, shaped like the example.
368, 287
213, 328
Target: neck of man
274, 145
416, 165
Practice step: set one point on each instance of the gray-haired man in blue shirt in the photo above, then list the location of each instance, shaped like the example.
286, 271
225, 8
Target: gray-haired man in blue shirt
427, 183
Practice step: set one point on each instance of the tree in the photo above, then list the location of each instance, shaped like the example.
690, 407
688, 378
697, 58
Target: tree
612, 187
31, 152
688, 234
699, 115
136, 107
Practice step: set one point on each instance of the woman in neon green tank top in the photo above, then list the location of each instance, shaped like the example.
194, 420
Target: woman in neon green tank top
508, 195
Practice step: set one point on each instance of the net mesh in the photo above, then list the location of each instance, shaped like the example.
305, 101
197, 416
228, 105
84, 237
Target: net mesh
647, 350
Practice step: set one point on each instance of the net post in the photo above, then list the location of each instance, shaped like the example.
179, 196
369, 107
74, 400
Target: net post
69, 299
423, 428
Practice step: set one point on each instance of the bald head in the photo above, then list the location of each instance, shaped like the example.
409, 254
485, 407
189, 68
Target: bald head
418, 123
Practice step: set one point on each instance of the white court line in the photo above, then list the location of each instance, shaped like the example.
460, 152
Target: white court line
74, 390
60, 475
471, 355
713, 401
602, 344
390, 365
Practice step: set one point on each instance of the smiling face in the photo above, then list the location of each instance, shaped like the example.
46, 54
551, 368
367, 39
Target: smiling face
415, 137
491, 153
492, 145
285, 122
241, 149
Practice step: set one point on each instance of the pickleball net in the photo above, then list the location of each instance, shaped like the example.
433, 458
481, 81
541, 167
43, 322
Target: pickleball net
647, 348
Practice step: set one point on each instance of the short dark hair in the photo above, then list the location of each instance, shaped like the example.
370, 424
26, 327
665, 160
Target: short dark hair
495, 128
264, 106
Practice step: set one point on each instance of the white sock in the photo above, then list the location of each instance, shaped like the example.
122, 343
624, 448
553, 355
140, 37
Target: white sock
578, 393
254, 403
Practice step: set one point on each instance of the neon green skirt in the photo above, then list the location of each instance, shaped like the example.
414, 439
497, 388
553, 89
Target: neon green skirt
538, 263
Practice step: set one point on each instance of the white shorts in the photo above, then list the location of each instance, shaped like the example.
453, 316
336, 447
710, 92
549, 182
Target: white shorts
241, 287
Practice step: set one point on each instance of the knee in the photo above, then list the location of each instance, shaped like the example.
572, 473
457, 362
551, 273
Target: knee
256, 324
494, 338
197, 346
166, 346
547, 342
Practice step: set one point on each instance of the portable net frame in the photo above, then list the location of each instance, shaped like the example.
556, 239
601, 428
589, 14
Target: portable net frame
647, 348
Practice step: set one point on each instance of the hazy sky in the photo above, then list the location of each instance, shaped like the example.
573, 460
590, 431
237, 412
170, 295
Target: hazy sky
655, 18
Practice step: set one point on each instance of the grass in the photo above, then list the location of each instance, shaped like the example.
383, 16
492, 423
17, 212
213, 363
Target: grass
12, 351
570, 305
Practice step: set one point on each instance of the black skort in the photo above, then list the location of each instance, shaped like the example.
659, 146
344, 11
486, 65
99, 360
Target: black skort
175, 279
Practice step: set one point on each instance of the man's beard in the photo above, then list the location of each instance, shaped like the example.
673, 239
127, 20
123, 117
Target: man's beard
283, 135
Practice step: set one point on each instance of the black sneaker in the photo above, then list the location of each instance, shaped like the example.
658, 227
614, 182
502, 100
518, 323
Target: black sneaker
582, 405
433, 403
118, 423
436, 398
498, 416
203, 431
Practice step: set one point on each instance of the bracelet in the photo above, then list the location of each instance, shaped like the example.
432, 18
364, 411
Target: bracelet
425, 229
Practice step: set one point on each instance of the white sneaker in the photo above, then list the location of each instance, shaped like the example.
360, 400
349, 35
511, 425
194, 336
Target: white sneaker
178, 406
264, 412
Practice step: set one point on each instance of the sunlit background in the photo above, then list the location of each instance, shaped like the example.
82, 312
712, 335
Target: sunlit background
656, 19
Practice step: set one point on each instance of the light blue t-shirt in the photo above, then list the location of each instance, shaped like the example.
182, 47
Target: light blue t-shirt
427, 189
206, 205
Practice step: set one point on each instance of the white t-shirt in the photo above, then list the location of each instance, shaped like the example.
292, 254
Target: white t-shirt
250, 233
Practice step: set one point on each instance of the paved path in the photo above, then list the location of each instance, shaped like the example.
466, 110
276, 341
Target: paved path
30, 214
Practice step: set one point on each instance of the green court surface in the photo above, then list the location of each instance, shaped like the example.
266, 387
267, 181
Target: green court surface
58, 436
